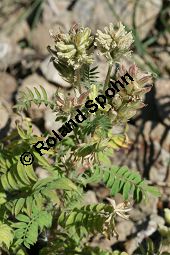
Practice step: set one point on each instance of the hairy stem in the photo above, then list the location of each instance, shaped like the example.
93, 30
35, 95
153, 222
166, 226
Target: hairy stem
107, 78
78, 80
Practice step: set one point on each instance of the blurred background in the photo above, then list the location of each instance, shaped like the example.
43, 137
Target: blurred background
24, 62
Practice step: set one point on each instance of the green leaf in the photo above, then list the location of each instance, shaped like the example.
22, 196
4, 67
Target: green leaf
41, 183
5, 183
11, 180
126, 190
154, 190
19, 225
115, 187
63, 183
30, 172
19, 205
32, 233
45, 220
127, 182
21, 133
86, 150
22, 217
44, 93
6, 236
37, 93
29, 204
22, 173
30, 93
42, 161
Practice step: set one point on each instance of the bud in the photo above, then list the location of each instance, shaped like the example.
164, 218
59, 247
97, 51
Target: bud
167, 215
145, 80
164, 231
133, 70
117, 101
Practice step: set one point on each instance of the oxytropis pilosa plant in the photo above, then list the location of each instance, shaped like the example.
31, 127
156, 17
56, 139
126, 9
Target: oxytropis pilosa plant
53, 208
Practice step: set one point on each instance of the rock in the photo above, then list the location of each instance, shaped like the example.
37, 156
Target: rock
51, 74
85, 13
56, 14
159, 162
40, 38
32, 81
157, 137
97, 13
132, 244
149, 151
150, 206
102, 192
4, 113
8, 86
30, 61
163, 99
157, 174
151, 227
90, 197
5, 118
148, 12
155, 131
124, 229
102, 243
50, 122
132, 132
10, 53
137, 215
41, 173
164, 63
157, 219
164, 39
20, 31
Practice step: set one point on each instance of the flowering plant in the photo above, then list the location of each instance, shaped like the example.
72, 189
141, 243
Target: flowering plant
54, 207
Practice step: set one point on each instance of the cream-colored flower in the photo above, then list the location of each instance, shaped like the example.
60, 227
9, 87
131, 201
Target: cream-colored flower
73, 48
114, 43
120, 209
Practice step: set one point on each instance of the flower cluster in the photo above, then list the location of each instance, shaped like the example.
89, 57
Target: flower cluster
130, 98
73, 48
68, 103
120, 209
114, 43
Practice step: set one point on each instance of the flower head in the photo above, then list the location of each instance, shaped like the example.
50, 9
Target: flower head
73, 48
114, 43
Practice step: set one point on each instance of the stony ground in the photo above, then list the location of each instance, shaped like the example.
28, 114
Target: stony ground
24, 62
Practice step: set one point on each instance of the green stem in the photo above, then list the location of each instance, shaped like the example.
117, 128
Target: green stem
78, 81
107, 78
